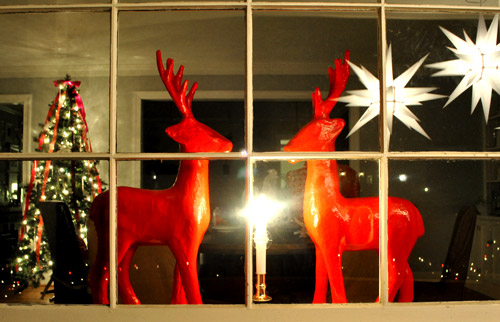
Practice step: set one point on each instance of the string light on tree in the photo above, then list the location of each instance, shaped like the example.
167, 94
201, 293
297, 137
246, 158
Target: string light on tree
399, 97
478, 63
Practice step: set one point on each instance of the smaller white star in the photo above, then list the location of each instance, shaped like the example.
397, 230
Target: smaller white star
478, 64
398, 96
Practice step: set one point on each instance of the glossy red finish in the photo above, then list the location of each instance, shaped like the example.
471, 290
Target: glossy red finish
177, 217
337, 224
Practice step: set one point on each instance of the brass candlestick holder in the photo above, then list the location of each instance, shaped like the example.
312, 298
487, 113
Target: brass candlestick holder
260, 289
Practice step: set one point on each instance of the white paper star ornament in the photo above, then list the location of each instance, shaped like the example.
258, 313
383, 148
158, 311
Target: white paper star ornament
398, 96
478, 64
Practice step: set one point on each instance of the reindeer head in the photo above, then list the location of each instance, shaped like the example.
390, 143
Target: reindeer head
321, 132
192, 135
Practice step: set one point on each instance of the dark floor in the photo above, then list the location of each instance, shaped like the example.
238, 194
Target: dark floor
445, 291
31, 295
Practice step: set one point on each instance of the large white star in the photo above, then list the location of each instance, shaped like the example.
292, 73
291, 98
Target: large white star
398, 97
478, 64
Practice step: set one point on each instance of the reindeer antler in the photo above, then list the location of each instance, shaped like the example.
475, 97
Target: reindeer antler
175, 87
338, 80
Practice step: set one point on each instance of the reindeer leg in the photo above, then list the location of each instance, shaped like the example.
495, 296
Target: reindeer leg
333, 261
97, 279
178, 294
406, 289
189, 277
185, 256
396, 274
124, 287
99, 275
321, 284
103, 282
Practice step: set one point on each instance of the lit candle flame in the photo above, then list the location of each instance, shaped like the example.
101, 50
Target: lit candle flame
260, 211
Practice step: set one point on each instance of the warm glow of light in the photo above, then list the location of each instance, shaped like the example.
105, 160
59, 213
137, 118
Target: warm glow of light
261, 210
398, 96
478, 63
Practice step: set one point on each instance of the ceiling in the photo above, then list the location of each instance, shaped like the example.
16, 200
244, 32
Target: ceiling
210, 42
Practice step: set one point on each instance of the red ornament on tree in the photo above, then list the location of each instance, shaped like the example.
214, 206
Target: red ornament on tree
337, 224
177, 217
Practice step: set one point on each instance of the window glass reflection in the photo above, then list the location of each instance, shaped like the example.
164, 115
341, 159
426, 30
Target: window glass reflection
290, 61
44, 51
464, 118
456, 258
182, 36
291, 254
45, 236
219, 260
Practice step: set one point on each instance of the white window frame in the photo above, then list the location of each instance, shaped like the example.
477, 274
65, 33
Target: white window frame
383, 311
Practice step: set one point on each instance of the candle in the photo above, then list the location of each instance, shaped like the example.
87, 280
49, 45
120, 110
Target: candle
261, 246
261, 210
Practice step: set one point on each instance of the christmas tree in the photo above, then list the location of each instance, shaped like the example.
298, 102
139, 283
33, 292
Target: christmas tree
75, 182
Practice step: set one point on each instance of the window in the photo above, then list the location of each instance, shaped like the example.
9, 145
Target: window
257, 64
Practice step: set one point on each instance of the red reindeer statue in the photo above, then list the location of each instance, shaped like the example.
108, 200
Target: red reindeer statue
337, 224
177, 217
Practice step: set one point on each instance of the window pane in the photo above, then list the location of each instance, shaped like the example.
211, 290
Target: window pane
292, 52
57, 66
178, 221
457, 257
45, 232
211, 46
463, 125
291, 254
